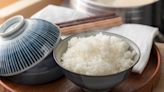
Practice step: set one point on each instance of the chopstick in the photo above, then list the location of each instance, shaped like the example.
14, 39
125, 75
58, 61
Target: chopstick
90, 23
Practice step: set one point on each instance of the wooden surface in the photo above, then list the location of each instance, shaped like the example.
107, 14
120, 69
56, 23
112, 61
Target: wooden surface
23, 7
5, 3
160, 85
134, 83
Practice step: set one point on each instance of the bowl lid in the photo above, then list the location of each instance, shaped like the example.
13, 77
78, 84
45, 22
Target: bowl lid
119, 3
24, 43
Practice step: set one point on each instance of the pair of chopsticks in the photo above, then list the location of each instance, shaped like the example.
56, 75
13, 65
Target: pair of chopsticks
90, 23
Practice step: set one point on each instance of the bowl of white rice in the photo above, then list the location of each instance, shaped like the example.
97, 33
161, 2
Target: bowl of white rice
96, 61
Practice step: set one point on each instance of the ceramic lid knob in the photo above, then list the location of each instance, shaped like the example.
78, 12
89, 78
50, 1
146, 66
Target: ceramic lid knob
11, 26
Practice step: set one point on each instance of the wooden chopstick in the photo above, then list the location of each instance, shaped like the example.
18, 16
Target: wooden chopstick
90, 23
86, 20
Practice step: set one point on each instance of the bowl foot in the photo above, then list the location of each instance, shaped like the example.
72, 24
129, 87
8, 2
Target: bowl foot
89, 90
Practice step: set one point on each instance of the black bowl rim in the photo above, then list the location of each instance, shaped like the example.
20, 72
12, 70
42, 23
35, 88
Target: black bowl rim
96, 32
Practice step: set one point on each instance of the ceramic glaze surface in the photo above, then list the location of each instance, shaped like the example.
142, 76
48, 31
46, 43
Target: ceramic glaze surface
95, 83
27, 46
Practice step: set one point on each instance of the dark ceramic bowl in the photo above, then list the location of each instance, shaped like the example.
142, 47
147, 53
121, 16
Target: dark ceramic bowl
94, 83
44, 72
26, 47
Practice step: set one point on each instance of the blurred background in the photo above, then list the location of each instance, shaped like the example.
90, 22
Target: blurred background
149, 14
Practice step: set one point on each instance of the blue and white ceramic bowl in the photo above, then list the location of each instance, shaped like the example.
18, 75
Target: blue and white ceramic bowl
26, 47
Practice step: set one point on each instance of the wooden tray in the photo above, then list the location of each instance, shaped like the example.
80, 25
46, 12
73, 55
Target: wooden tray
135, 82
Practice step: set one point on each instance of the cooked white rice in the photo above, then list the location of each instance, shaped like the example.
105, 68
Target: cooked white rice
97, 55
